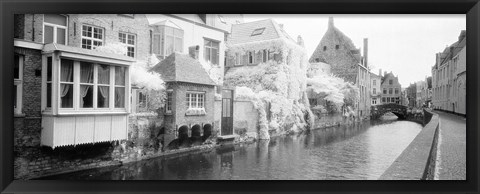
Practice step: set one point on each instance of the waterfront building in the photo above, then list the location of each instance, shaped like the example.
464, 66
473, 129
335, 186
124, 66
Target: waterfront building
420, 98
412, 95
449, 77
347, 62
189, 106
376, 93
390, 88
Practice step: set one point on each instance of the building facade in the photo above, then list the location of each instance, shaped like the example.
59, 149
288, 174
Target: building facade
376, 93
449, 78
391, 88
347, 62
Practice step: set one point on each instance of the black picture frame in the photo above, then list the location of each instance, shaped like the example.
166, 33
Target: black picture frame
9, 7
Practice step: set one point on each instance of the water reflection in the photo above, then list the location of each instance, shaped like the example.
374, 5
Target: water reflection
362, 151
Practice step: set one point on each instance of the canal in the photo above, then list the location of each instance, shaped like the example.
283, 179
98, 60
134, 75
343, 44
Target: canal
358, 152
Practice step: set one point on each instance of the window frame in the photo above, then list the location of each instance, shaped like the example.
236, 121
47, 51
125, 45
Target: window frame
56, 108
162, 44
55, 26
169, 102
18, 82
189, 97
211, 48
126, 44
92, 39
258, 31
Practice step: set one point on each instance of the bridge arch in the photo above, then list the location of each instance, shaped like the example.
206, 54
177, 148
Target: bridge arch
398, 110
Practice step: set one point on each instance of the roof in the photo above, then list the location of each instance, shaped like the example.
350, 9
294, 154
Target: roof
454, 49
182, 68
242, 33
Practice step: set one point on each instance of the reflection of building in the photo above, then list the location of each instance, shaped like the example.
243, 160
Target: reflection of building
346, 61
376, 93
449, 77
391, 88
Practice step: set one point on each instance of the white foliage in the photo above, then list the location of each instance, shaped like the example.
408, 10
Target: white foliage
114, 48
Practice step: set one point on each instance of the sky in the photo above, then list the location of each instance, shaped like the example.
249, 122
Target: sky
403, 44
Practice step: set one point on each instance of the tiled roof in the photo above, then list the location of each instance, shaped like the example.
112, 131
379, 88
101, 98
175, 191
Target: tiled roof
182, 68
457, 47
242, 33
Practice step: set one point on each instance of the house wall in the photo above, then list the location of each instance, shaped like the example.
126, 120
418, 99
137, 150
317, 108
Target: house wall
195, 34
377, 95
33, 160
395, 85
245, 117
177, 118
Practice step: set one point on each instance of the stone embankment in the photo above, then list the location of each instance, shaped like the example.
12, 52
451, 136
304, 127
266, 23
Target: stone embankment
417, 161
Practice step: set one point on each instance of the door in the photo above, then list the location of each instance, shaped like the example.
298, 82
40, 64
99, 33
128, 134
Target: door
227, 112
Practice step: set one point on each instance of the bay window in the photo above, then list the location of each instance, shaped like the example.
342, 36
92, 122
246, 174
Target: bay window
85, 86
18, 84
211, 51
55, 29
129, 41
92, 37
167, 40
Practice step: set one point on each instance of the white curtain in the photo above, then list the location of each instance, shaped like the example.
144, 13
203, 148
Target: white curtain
66, 75
86, 72
104, 78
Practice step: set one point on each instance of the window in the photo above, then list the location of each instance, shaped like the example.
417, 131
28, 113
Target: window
257, 31
337, 46
374, 100
18, 84
127, 15
384, 91
129, 41
238, 59
92, 37
211, 51
388, 99
167, 40
374, 90
168, 105
264, 55
383, 99
374, 82
66, 83
390, 90
85, 85
49, 82
142, 100
220, 17
195, 100
324, 48
119, 87
396, 90
390, 82
55, 29
251, 57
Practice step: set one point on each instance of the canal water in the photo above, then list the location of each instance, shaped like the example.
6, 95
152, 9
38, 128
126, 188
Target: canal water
355, 152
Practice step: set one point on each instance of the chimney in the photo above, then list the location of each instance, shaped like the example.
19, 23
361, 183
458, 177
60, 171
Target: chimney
380, 72
451, 52
193, 51
384, 73
300, 41
330, 22
365, 51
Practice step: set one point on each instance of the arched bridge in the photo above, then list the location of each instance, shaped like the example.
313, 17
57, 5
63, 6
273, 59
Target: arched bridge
399, 110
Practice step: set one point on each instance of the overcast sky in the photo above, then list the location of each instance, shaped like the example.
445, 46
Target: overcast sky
403, 44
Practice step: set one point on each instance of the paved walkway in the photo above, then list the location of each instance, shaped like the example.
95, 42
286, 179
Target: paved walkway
451, 155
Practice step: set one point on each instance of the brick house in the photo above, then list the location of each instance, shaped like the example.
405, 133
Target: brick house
67, 93
347, 62
189, 110
391, 89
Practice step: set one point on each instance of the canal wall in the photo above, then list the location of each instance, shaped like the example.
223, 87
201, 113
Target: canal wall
417, 161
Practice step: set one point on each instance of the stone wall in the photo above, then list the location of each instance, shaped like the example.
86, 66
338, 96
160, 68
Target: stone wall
417, 161
245, 118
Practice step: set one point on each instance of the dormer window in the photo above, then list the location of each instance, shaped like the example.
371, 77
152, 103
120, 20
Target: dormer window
258, 31
166, 40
